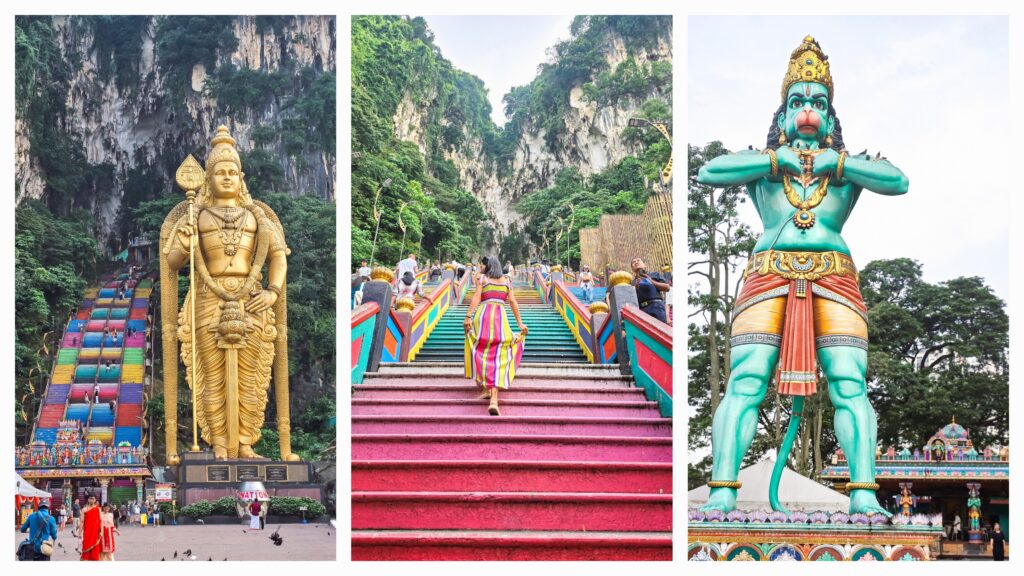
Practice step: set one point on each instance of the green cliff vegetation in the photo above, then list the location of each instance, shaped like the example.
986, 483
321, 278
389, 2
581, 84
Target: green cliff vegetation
395, 64
59, 249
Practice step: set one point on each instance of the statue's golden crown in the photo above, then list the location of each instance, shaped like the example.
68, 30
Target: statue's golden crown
222, 150
808, 64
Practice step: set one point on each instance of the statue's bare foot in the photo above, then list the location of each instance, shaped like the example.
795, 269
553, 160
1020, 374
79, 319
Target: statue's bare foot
220, 453
865, 502
723, 499
246, 451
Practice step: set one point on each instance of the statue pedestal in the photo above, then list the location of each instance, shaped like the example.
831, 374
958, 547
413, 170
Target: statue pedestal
201, 477
803, 541
975, 538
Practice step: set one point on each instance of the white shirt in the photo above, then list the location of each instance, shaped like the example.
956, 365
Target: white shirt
407, 265
363, 271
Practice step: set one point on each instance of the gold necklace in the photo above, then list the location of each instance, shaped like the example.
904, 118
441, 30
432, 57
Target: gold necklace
230, 228
804, 218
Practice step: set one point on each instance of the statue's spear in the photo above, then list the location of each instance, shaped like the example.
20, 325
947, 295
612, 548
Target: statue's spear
190, 177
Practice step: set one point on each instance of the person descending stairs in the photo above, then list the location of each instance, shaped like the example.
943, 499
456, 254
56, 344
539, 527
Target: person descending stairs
577, 467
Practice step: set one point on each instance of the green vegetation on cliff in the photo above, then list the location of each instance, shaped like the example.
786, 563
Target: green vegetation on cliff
59, 249
395, 58
399, 75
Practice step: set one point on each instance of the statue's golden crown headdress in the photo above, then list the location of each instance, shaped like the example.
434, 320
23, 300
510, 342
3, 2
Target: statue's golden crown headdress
222, 150
808, 64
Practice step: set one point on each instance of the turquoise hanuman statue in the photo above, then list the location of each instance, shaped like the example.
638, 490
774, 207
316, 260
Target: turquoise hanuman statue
800, 307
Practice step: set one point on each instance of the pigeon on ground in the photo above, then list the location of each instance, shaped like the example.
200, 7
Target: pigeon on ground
175, 553
276, 538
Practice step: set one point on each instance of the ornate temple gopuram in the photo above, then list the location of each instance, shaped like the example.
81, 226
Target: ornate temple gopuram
89, 432
947, 477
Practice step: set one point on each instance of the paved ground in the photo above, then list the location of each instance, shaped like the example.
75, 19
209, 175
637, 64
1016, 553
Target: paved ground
301, 542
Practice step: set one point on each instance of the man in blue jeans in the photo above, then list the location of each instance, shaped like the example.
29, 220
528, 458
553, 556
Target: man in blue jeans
40, 527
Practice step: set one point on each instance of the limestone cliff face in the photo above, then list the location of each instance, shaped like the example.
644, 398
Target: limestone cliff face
124, 125
591, 142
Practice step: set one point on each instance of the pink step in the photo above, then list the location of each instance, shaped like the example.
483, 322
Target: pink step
481, 475
525, 425
517, 392
510, 546
513, 407
510, 448
137, 340
511, 511
524, 381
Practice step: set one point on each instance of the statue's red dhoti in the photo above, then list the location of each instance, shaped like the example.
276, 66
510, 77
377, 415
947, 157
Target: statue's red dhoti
799, 302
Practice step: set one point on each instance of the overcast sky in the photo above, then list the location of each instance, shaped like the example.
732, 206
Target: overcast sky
503, 51
929, 92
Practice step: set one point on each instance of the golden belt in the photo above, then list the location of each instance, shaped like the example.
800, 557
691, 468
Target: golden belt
808, 266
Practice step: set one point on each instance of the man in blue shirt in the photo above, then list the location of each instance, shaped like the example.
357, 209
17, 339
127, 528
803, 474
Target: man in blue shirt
40, 527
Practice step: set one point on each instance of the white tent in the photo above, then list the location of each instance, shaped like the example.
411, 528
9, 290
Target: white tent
26, 490
796, 492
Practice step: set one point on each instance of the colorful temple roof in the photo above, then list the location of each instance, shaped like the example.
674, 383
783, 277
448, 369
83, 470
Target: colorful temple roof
948, 455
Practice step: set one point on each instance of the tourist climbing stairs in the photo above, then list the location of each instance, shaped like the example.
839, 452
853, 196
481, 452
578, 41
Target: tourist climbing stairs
577, 467
91, 356
548, 340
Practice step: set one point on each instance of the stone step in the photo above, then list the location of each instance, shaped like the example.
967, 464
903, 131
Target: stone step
540, 476
510, 545
513, 407
467, 390
521, 425
510, 449
451, 378
580, 511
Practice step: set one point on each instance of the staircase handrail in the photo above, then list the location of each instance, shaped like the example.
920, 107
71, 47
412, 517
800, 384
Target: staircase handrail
651, 370
363, 321
542, 287
460, 288
424, 321
579, 319
49, 380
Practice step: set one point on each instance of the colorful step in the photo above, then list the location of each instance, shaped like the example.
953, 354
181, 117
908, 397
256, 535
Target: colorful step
132, 435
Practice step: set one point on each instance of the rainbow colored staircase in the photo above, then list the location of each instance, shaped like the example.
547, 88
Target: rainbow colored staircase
577, 467
92, 358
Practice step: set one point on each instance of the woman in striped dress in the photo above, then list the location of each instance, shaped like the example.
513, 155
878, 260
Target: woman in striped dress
493, 352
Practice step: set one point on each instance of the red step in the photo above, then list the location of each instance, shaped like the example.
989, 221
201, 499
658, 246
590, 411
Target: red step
512, 425
482, 475
511, 511
512, 407
510, 546
503, 448
520, 391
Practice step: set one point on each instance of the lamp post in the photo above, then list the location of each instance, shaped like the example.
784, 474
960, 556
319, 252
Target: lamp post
568, 235
662, 126
401, 225
376, 216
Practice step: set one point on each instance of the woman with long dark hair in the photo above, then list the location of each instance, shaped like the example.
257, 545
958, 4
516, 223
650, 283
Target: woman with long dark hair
493, 352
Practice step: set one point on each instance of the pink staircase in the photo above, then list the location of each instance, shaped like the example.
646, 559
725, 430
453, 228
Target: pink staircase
577, 467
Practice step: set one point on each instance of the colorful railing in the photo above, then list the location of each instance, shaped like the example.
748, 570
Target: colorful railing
649, 342
605, 352
462, 287
363, 321
577, 318
425, 317
407, 330
541, 284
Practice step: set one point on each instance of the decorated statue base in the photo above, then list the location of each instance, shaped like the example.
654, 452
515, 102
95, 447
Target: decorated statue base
763, 536
201, 477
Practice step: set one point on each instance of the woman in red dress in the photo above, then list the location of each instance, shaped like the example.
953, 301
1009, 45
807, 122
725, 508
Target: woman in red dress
92, 535
109, 529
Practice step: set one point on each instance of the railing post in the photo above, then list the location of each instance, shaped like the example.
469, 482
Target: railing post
598, 315
620, 293
403, 317
378, 290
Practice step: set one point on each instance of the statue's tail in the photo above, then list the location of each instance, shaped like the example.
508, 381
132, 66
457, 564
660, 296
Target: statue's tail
783, 456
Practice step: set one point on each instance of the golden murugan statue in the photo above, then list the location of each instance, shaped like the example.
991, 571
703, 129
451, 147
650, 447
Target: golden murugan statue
232, 329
